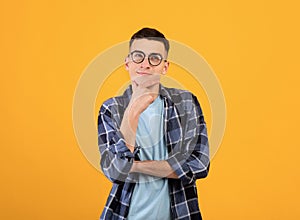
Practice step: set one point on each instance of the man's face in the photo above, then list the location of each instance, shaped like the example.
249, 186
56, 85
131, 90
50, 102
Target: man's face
153, 48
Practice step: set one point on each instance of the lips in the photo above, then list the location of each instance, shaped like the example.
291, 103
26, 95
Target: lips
142, 73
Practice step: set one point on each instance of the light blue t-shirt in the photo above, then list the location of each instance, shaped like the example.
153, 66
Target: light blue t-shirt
150, 199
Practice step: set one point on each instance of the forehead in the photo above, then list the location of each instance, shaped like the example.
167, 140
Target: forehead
148, 46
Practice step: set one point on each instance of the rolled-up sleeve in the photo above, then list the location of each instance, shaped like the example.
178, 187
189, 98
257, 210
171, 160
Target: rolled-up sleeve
116, 159
190, 159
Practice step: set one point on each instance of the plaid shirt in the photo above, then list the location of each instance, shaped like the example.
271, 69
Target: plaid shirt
186, 139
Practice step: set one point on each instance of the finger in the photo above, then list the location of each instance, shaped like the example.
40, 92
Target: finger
134, 83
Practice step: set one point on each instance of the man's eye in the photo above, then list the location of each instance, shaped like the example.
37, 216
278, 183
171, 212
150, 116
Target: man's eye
138, 56
155, 58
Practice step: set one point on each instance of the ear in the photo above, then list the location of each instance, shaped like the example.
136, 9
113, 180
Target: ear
166, 67
126, 63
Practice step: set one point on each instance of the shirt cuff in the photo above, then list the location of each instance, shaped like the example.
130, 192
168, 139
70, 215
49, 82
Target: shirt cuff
178, 163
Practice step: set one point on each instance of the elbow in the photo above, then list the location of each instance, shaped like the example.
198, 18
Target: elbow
115, 169
115, 176
116, 180
203, 173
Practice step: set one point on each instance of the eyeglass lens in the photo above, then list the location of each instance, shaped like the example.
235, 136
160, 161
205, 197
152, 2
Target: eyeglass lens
154, 58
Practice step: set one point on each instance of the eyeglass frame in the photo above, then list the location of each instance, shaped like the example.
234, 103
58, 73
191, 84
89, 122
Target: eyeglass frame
130, 55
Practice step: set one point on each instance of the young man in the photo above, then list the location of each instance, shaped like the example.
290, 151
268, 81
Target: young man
153, 140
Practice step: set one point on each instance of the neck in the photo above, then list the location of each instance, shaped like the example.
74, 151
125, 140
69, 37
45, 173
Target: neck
155, 90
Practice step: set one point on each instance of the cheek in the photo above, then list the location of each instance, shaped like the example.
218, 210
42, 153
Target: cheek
130, 67
131, 70
158, 70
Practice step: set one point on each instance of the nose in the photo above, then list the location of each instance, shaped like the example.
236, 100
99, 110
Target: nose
145, 63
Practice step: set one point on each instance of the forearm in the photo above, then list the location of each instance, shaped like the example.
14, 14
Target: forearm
144, 93
155, 168
128, 127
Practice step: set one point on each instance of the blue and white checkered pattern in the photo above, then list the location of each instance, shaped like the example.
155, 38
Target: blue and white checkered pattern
188, 153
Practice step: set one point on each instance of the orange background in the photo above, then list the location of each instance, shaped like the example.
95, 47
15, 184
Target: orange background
253, 48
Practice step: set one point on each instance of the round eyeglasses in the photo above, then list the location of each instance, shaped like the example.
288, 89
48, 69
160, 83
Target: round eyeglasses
138, 56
